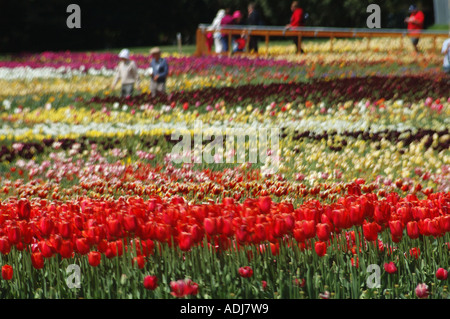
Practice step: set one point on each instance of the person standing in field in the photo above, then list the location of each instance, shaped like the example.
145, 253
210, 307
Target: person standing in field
216, 35
159, 70
446, 52
415, 24
254, 18
297, 20
127, 73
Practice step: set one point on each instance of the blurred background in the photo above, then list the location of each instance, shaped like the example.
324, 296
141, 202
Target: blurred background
40, 25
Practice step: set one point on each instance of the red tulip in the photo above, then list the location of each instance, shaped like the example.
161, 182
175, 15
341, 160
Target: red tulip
150, 282
130, 223
94, 258
179, 288
444, 222
434, 227
113, 227
102, 246
228, 201
245, 272
182, 288
184, 241
65, 229
193, 287
45, 226
264, 284
37, 260
309, 228
140, 261
381, 213
264, 203
356, 215
242, 234
442, 274
66, 249
46, 249
413, 230
279, 228
24, 209
323, 232
13, 235
370, 231
227, 228
275, 248
7, 272
390, 268
414, 252
82, 246
26, 232
300, 283
162, 233
396, 228
320, 248
111, 250
210, 226
404, 214
5, 246
260, 232
55, 242
422, 291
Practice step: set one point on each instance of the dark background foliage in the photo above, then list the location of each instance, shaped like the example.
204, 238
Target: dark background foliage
39, 25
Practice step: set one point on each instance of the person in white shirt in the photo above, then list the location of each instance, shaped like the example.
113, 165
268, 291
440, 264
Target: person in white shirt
127, 73
215, 26
446, 52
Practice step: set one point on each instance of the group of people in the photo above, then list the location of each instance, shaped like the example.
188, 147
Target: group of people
127, 73
225, 18
415, 23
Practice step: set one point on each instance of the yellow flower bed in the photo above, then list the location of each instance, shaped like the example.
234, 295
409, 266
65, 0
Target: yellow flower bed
95, 84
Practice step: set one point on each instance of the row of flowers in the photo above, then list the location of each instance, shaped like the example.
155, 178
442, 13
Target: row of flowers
63, 176
136, 231
342, 90
85, 224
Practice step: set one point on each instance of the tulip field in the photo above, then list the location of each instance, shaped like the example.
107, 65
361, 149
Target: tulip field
93, 205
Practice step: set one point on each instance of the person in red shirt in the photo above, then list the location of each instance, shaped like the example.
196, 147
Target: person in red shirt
297, 20
415, 24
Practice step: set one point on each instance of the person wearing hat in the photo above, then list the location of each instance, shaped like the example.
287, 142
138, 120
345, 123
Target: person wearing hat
159, 72
446, 52
415, 24
127, 73
237, 17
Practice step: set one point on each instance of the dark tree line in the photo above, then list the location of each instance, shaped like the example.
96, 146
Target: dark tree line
38, 25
